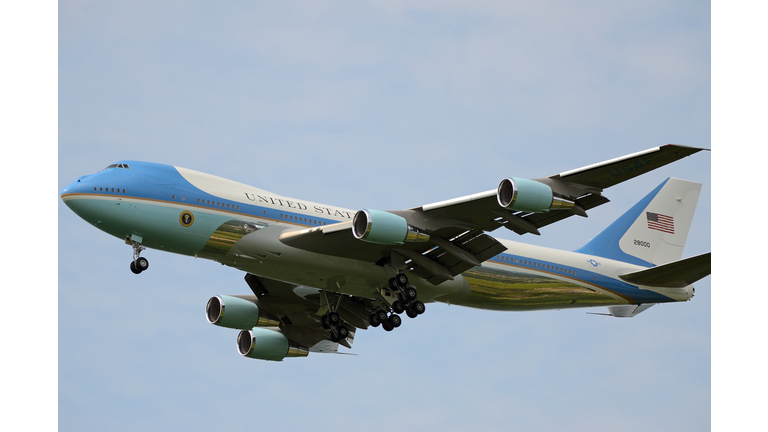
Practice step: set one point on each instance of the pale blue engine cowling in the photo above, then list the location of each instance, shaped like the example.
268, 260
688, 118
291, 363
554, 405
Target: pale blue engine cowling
232, 312
266, 344
528, 195
380, 227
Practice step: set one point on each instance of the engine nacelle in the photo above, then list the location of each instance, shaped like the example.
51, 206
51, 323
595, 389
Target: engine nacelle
380, 227
236, 313
266, 344
529, 195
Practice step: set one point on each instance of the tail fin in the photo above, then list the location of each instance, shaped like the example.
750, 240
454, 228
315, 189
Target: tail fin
654, 230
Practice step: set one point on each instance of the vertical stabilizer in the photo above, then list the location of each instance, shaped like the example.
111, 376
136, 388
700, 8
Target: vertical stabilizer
654, 230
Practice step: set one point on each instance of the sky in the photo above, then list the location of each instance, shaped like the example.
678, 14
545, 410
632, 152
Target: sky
386, 105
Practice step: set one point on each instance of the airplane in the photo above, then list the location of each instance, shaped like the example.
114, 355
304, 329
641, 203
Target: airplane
319, 273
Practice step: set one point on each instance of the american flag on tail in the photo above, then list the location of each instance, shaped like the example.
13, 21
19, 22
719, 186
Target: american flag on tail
660, 222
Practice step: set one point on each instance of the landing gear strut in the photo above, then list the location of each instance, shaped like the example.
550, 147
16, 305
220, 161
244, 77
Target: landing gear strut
139, 263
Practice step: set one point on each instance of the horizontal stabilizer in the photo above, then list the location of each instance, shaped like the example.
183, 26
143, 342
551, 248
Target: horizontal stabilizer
676, 274
625, 311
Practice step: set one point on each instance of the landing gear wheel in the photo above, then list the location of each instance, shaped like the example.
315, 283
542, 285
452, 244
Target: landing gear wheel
401, 280
373, 320
394, 320
343, 332
141, 264
411, 314
382, 316
398, 307
418, 307
134, 269
392, 284
324, 322
410, 293
333, 318
386, 326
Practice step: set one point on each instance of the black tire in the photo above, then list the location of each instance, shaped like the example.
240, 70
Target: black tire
398, 307
411, 314
343, 332
386, 326
141, 264
333, 336
394, 320
373, 320
392, 284
382, 316
401, 280
410, 293
333, 318
418, 307
324, 322
134, 269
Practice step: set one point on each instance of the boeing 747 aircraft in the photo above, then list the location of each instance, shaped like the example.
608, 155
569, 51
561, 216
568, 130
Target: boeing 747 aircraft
320, 272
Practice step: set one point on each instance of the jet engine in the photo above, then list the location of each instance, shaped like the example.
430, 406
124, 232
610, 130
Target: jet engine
235, 313
529, 195
380, 227
267, 344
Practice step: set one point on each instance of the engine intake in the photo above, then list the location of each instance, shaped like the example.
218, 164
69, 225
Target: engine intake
235, 313
266, 344
380, 227
529, 195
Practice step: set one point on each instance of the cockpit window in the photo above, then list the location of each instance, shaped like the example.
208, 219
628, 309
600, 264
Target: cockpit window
118, 166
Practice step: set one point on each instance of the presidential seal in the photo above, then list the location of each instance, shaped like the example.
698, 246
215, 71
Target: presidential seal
186, 218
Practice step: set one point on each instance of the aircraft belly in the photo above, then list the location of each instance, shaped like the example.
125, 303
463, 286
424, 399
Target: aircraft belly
262, 253
518, 290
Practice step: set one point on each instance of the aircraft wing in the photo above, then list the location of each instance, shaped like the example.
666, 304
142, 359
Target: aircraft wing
448, 237
583, 186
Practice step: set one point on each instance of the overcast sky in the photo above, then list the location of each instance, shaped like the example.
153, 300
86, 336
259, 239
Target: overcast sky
386, 105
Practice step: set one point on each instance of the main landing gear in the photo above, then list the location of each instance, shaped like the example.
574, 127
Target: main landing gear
338, 330
332, 321
407, 301
139, 263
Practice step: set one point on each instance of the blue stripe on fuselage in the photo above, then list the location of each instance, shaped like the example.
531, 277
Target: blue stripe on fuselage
619, 287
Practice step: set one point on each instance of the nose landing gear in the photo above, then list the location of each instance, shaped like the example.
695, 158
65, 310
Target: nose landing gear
139, 263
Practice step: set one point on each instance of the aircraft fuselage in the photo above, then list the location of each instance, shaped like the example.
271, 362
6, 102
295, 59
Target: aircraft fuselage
191, 213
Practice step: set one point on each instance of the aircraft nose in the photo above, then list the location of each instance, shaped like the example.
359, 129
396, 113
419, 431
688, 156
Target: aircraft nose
70, 193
